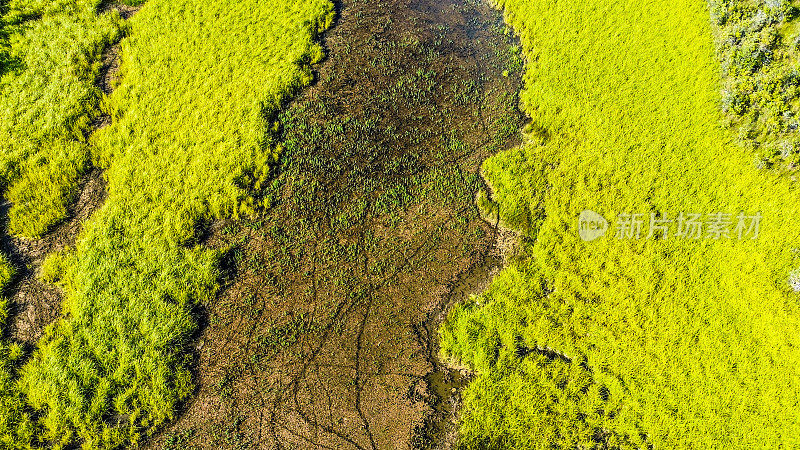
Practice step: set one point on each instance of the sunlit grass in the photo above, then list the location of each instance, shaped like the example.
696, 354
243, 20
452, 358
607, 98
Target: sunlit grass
677, 343
48, 100
191, 138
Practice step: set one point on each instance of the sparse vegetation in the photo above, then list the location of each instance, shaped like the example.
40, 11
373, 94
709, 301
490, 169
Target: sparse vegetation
318, 339
17, 429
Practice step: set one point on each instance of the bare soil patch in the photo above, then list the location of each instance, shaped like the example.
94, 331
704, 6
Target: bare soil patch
35, 304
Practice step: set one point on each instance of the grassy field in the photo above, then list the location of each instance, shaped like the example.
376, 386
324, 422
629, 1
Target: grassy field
49, 60
676, 343
191, 139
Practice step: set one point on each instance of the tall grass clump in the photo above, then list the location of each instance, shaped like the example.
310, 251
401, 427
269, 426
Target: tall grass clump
49, 61
191, 140
630, 343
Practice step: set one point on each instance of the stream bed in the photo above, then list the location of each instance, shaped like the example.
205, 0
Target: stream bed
325, 335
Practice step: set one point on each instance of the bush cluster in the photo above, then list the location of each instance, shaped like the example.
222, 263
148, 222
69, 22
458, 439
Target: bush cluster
758, 46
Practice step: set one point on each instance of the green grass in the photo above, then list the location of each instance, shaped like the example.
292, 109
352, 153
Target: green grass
676, 343
17, 428
192, 136
49, 61
49, 55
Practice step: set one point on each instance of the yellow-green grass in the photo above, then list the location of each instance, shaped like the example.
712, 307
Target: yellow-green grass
17, 429
49, 60
191, 140
675, 343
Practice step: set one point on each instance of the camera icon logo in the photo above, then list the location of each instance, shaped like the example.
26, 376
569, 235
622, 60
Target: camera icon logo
591, 225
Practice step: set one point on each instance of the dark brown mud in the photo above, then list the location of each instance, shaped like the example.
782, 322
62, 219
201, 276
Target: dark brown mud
446, 383
325, 334
109, 72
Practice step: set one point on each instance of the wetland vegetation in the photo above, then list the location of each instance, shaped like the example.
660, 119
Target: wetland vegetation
632, 343
282, 224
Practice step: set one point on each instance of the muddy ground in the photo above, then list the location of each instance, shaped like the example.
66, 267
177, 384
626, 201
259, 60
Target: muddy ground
325, 333
33, 303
